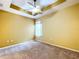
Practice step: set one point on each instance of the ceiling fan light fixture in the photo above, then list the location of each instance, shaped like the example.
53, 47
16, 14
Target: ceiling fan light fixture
36, 11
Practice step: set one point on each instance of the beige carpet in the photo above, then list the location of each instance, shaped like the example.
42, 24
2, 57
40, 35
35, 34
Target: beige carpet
37, 50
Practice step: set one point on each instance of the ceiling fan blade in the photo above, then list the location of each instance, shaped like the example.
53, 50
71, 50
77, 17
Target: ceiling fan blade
33, 4
28, 7
30, 3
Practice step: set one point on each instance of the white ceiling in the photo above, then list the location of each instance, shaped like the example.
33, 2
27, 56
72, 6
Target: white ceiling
47, 2
24, 3
6, 7
6, 4
67, 3
41, 2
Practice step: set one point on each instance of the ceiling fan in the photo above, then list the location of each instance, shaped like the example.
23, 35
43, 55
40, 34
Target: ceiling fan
33, 6
35, 9
39, 5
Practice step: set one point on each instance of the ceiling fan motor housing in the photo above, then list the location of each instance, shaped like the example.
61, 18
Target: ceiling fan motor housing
36, 11
34, 0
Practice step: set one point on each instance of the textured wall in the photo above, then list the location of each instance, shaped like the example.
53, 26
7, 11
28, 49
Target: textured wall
15, 29
62, 27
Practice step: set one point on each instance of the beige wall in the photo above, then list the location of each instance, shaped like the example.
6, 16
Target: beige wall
62, 28
15, 29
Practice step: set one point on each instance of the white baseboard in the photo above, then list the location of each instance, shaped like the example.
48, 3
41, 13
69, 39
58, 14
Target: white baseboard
74, 50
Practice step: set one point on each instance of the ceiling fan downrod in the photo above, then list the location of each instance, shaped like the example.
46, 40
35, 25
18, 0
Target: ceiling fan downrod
35, 3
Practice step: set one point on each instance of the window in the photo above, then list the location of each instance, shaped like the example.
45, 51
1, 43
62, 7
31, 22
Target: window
38, 29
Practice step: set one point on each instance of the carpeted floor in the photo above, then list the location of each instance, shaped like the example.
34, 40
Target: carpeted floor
37, 50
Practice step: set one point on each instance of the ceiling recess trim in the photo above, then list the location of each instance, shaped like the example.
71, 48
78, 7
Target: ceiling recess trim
53, 7
19, 9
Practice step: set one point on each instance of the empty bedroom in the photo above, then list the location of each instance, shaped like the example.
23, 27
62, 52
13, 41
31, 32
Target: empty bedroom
39, 29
